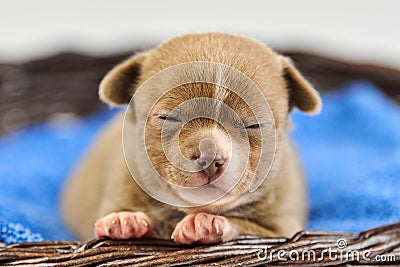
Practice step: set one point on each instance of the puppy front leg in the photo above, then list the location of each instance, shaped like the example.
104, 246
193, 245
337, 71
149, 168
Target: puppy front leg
204, 228
125, 225
124, 210
246, 227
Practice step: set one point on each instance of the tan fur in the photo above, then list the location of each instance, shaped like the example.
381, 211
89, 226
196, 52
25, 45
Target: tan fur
102, 183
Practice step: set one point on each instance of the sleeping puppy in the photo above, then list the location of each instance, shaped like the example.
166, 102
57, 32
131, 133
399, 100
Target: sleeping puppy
102, 198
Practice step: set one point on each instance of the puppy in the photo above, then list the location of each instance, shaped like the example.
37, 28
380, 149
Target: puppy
102, 198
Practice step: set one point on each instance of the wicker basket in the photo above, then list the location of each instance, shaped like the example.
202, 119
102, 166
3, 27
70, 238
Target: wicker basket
69, 82
311, 248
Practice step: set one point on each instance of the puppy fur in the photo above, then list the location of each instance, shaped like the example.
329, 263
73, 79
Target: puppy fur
102, 184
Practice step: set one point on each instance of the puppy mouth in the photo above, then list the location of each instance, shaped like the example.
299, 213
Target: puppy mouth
207, 176
218, 189
210, 196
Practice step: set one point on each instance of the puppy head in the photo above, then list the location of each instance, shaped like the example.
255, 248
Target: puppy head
197, 133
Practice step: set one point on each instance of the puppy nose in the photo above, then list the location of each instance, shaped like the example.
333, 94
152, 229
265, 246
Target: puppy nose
217, 164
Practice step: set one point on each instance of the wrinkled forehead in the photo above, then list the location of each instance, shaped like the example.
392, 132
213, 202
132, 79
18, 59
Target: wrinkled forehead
210, 100
228, 87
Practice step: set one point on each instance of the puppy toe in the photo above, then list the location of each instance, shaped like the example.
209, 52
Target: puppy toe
203, 228
124, 225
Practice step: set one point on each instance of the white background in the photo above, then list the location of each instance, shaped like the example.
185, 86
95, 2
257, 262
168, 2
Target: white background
360, 30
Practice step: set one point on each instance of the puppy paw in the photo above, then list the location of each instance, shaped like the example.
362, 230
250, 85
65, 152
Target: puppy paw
125, 225
203, 228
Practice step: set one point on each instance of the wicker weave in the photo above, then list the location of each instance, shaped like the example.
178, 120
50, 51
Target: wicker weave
309, 248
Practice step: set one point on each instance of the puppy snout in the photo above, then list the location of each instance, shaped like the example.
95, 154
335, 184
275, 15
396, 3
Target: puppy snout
212, 165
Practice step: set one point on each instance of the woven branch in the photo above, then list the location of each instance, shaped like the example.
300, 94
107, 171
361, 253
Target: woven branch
376, 246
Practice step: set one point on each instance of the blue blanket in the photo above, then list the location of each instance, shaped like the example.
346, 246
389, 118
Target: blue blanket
351, 154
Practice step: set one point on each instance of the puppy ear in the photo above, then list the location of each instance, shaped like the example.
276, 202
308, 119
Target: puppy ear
301, 93
119, 84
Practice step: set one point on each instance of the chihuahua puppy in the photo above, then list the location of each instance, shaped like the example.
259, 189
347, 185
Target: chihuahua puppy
102, 198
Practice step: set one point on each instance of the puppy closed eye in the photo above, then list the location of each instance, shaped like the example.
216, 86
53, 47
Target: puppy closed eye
253, 126
258, 126
166, 117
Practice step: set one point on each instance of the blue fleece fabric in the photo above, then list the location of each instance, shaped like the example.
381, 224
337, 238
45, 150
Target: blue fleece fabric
16, 232
351, 154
